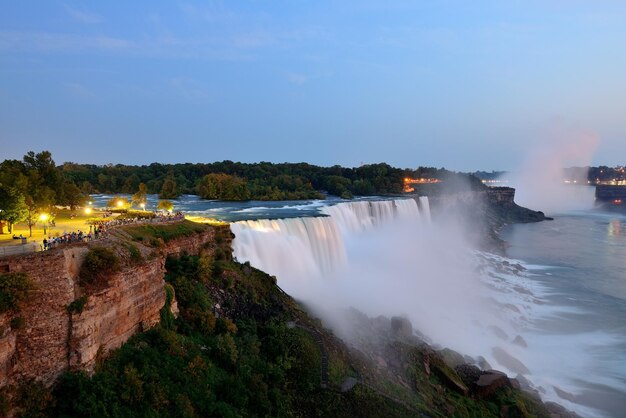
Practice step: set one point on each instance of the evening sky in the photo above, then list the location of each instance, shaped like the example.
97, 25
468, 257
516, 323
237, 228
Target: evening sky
466, 85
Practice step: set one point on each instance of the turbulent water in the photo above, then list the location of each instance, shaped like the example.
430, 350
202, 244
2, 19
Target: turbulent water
555, 313
389, 258
580, 329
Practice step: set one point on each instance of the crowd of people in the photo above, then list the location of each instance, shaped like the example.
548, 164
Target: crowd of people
99, 229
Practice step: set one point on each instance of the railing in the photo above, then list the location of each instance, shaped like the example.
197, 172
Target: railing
30, 247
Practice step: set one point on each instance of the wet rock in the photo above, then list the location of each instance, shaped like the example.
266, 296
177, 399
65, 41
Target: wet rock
468, 373
524, 383
348, 384
482, 384
508, 361
559, 411
499, 332
450, 378
564, 394
452, 358
489, 382
483, 363
519, 340
401, 327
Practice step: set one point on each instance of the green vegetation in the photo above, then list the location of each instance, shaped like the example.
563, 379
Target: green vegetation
135, 254
231, 353
77, 306
99, 262
14, 289
155, 234
166, 205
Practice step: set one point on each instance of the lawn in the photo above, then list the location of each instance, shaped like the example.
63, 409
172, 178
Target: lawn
64, 223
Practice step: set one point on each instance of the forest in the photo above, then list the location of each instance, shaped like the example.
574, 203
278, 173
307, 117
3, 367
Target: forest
35, 184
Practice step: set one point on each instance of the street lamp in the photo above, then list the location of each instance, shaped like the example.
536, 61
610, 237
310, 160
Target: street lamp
143, 206
87, 211
120, 203
44, 218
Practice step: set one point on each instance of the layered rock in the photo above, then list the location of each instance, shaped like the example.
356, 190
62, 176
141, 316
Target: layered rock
53, 340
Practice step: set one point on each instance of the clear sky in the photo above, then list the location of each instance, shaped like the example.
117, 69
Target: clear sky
462, 84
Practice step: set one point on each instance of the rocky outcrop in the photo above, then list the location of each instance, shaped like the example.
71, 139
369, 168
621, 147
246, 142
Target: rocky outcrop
484, 213
51, 339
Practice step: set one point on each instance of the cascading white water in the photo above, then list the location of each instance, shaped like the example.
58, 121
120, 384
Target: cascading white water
388, 258
303, 248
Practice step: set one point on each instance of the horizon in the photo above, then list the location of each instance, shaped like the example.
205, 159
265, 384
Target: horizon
467, 87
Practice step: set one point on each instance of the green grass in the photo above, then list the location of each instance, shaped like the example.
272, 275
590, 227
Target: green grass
166, 232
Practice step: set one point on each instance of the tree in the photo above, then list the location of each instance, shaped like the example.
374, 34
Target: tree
32, 213
223, 187
141, 197
118, 202
12, 206
169, 190
166, 205
72, 195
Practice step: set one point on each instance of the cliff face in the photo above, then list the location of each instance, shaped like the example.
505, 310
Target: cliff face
53, 340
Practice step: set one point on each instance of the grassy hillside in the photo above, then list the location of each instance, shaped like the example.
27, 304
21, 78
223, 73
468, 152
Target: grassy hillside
242, 347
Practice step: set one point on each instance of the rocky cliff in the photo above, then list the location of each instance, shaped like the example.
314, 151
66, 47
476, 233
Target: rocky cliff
50, 340
484, 213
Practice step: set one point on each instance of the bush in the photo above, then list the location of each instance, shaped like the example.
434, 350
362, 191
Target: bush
98, 262
14, 288
167, 318
77, 306
34, 400
135, 254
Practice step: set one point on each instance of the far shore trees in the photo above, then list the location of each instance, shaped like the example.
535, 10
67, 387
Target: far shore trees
223, 187
169, 189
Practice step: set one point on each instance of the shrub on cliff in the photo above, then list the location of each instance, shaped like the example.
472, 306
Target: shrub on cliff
99, 262
14, 288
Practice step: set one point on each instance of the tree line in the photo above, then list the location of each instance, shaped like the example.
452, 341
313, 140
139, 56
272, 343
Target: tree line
35, 184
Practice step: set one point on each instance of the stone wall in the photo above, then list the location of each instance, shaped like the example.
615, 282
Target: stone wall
52, 340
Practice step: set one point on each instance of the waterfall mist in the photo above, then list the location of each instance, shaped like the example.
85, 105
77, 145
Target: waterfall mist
389, 258
539, 183
382, 258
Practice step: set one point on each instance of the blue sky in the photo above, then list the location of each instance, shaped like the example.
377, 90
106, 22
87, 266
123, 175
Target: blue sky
465, 85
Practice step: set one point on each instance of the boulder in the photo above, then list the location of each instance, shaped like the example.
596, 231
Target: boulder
519, 340
452, 358
483, 363
401, 327
508, 361
489, 382
482, 384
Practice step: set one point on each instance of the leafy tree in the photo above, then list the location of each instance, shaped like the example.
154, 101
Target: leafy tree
166, 205
12, 206
118, 202
224, 187
141, 197
32, 213
72, 195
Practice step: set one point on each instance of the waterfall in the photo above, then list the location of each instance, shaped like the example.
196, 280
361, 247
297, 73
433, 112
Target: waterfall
307, 248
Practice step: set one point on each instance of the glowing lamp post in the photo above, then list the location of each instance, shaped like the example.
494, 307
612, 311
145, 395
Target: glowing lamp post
143, 206
87, 211
120, 204
44, 218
